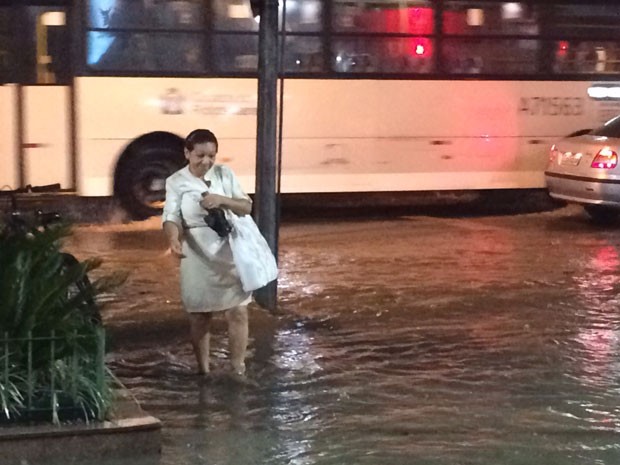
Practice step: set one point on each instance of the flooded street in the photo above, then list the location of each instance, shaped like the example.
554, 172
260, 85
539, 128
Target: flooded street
409, 340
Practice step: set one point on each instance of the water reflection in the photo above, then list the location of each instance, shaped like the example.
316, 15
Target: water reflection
418, 340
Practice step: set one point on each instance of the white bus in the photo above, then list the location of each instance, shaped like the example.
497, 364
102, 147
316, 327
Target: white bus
379, 95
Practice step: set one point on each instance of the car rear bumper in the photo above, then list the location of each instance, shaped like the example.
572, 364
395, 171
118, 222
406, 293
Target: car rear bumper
583, 190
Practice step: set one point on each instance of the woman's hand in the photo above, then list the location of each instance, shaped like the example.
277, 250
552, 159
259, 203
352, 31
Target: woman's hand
176, 248
212, 200
174, 233
238, 206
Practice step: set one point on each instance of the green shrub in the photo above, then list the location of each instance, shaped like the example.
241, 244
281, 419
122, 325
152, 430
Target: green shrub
51, 344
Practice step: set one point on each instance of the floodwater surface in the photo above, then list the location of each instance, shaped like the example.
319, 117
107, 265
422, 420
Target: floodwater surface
411, 340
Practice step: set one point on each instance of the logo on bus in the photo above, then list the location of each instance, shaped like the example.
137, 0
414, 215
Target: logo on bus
171, 102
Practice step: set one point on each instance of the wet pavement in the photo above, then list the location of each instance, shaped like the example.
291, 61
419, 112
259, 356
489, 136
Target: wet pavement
402, 340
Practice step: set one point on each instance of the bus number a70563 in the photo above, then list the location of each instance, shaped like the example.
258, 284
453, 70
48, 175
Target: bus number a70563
551, 106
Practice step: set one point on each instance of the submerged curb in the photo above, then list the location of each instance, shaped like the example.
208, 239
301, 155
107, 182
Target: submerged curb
72, 444
130, 434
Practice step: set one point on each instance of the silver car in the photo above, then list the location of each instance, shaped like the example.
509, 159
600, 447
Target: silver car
583, 168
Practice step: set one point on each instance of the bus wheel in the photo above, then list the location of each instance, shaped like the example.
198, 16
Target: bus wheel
140, 177
601, 214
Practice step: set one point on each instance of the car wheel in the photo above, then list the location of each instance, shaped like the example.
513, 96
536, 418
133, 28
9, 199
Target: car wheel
140, 178
601, 214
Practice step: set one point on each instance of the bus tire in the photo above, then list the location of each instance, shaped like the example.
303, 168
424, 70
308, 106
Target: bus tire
139, 178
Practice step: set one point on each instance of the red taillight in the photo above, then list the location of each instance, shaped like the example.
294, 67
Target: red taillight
553, 154
605, 159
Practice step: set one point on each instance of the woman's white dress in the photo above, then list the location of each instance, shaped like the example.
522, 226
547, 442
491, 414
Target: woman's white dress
209, 279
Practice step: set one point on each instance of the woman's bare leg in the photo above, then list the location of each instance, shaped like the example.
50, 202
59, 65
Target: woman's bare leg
200, 325
237, 337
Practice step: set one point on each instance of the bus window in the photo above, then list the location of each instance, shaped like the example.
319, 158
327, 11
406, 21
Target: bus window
480, 18
236, 15
382, 55
473, 40
53, 48
148, 51
128, 51
233, 15
44, 47
587, 28
408, 17
303, 54
304, 15
584, 57
490, 56
141, 35
236, 53
384, 38
586, 21
145, 14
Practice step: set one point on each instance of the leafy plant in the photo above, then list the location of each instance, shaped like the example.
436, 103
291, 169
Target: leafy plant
50, 333
11, 395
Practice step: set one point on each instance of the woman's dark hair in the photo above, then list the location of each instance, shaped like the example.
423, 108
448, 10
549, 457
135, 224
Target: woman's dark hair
199, 136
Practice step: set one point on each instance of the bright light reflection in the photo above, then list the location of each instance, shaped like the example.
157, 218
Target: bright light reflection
291, 5
153, 102
599, 359
600, 275
99, 41
296, 352
239, 10
232, 109
511, 10
310, 12
475, 17
53, 18
598, 92
606, 259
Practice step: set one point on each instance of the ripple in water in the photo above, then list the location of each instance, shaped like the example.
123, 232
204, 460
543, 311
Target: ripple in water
434, 341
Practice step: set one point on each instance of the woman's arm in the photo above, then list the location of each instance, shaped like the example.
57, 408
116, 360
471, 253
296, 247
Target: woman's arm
173, 232
235, 200
239, 207
171, 218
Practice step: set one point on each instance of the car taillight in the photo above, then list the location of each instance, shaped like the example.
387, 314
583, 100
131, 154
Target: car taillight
553, 154
605, 159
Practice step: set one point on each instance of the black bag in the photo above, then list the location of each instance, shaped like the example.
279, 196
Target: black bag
216, 220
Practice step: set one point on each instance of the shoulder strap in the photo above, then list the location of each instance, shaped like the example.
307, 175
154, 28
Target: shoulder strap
220, 175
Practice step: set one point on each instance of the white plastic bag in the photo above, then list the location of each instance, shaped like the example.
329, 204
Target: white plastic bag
253, 258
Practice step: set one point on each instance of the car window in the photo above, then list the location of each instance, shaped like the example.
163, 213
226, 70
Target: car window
610, 129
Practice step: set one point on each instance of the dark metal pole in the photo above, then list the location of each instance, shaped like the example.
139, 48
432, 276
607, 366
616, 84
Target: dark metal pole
265, 203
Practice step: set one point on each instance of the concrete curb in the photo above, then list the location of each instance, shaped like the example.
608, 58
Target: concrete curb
131, 434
